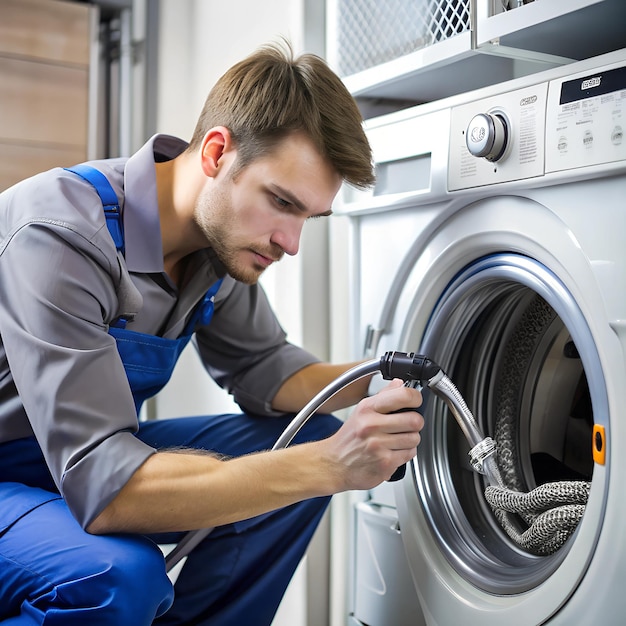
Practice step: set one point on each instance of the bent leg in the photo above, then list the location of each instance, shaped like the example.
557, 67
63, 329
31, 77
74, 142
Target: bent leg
52, 572
239, 573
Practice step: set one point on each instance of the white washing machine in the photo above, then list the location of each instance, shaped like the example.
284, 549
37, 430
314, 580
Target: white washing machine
509, 272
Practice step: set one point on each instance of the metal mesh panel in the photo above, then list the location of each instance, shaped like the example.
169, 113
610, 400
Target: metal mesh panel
370, 32
447, 18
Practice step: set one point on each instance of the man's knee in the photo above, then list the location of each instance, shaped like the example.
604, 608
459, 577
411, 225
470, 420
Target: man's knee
115, 580
130, 582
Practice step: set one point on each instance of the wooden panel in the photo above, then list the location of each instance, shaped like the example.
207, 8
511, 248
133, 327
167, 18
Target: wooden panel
20, 161
44, 85
44, 103
45, 29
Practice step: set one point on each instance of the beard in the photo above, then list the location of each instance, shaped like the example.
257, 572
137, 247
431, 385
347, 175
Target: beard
215, 217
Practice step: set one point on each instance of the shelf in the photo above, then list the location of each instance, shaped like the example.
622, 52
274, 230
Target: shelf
409, 80
579, 29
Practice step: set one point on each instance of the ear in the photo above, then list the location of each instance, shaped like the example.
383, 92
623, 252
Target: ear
215, 144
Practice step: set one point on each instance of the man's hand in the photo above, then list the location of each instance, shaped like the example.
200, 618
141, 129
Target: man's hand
381, 434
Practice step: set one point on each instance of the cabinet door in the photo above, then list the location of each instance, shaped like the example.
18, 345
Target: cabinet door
44, 85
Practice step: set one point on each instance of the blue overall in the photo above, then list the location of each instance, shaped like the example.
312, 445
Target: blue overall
54, 573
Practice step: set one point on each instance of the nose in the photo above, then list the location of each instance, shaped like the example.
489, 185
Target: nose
287, 236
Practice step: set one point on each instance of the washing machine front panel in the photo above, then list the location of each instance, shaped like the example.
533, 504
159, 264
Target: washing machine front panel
380, 272
509, 272
457, 552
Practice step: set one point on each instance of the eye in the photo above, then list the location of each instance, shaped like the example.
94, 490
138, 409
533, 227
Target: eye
281, 202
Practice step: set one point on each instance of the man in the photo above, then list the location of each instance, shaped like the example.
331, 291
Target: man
97, 301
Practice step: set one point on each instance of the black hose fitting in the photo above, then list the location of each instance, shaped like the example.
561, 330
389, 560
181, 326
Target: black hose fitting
407, 366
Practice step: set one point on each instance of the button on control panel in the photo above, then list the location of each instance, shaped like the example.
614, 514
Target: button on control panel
487, 136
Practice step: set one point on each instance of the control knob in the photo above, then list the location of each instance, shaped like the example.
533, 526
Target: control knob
487, 135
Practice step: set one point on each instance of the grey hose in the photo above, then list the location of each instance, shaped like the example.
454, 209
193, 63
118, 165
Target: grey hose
364, 369
408, 367
548, 526
194, 537
482, 449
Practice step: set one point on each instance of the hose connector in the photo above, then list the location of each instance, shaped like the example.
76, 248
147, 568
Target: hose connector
480, 453
408, 366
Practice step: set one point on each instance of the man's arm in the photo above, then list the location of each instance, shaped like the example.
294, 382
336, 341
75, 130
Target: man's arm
299, 388
176, 491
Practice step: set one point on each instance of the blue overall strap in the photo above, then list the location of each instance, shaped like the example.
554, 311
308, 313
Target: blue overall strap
109, 200
204, 310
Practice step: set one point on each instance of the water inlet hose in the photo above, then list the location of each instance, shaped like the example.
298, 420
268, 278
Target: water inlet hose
548, 530
408, 367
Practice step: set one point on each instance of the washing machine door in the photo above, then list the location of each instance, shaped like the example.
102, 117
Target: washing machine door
516, 305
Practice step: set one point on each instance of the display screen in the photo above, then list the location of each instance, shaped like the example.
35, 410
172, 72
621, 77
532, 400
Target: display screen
597, 84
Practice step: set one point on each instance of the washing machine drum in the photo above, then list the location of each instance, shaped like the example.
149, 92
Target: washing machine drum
515, 344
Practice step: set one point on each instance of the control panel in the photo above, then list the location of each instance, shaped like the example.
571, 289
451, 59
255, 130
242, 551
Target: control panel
498, 139
564, 124
586, 119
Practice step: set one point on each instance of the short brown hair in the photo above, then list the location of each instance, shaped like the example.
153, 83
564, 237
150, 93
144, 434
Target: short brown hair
271, 94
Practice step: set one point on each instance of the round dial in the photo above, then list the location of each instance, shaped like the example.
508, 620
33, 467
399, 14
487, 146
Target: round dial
487, 135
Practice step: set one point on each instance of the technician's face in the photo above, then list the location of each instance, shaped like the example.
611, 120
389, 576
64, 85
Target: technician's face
251, 220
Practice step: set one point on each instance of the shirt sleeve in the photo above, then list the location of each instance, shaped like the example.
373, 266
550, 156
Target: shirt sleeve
245, 349
58, 288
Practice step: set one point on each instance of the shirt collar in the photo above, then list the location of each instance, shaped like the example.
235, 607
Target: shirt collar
142, 229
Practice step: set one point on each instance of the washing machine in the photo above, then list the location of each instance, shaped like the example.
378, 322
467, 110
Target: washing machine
494, 242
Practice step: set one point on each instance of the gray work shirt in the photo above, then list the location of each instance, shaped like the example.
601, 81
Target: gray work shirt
62, 283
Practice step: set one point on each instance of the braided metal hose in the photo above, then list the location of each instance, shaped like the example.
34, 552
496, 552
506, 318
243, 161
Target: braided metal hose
552, 512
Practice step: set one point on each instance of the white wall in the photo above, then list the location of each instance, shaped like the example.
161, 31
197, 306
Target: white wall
198, 41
